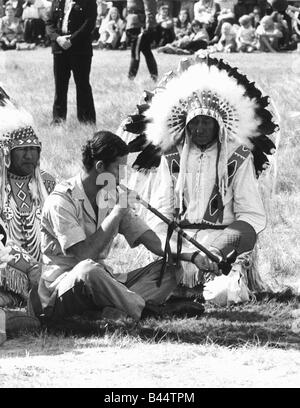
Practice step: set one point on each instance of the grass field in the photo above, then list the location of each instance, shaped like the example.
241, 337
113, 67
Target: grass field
241, 346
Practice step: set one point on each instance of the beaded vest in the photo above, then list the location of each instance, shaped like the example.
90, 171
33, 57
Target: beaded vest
21, 214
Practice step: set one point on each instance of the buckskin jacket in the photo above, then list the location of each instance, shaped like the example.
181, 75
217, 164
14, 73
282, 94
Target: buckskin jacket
81, 23
141, 13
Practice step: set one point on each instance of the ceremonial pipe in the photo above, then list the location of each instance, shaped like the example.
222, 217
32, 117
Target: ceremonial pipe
225, 266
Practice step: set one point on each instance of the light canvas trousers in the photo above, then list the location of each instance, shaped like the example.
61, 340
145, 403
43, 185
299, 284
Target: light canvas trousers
89, 286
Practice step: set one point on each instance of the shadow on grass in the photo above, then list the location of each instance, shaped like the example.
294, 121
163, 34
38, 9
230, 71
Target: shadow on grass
258, 324
263, 323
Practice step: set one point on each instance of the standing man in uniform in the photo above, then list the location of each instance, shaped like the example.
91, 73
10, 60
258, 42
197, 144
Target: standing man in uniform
69, 26
141, 31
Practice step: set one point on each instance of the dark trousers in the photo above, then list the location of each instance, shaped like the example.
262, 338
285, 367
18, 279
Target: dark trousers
34, 30
164, 35
5, 47
141, 45
80, 65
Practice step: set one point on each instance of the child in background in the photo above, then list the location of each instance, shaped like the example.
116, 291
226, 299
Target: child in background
227, 41
102, 10
198, 39
282, 25
11, 31
182, 26
245, 38
165, 26
112, 30
268, 35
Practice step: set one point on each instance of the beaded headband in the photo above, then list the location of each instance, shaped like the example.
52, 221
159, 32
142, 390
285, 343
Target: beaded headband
22, 137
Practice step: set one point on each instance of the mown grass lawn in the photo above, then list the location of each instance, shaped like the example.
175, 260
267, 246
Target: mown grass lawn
249, 345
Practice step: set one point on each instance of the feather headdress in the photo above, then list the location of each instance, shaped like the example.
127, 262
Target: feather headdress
16, 130
202, 86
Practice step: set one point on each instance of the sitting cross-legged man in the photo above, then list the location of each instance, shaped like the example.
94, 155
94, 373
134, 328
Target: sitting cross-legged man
24, 188
80, 220
208, 159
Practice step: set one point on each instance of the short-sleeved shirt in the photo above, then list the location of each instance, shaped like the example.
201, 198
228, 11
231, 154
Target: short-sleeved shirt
67, 219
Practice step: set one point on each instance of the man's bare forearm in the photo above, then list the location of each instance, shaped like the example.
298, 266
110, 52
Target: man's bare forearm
93, 245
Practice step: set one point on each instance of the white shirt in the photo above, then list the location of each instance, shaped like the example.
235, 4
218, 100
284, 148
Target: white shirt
67, 10
242, 200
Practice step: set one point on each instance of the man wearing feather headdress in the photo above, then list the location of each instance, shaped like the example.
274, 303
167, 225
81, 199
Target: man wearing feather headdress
24, 188
206, 128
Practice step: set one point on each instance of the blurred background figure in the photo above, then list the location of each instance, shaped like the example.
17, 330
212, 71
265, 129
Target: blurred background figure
182, 26
165, 26
112, 30
11, 31
268, 35
2, 10
227, 41
196, 40
256, 16
141, 33
102, 10
207, 11
246, 39
34, 16
17, 6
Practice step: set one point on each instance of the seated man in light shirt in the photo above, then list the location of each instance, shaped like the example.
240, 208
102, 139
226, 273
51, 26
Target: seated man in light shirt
79, 222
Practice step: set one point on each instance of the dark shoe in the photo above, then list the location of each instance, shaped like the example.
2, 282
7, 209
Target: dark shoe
18, 321
182, 308
57, 122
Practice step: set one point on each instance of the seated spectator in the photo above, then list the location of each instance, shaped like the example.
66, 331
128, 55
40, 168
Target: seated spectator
18, 7
268, 35
246, 38
10, 29
34, 15
102, 10
189, 6
282, 26
227, 41
292, 17
226, 15
198, 39
112, 30
206, 12
165, 26
256, 16
182, 26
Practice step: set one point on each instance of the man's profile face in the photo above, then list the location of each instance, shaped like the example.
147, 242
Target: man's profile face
203, 130
24, 160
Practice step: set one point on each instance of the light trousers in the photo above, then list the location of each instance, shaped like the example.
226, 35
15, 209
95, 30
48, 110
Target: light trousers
89, 286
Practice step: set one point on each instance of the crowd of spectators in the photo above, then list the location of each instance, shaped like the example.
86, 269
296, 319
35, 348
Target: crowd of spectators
183, 27
22, 24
